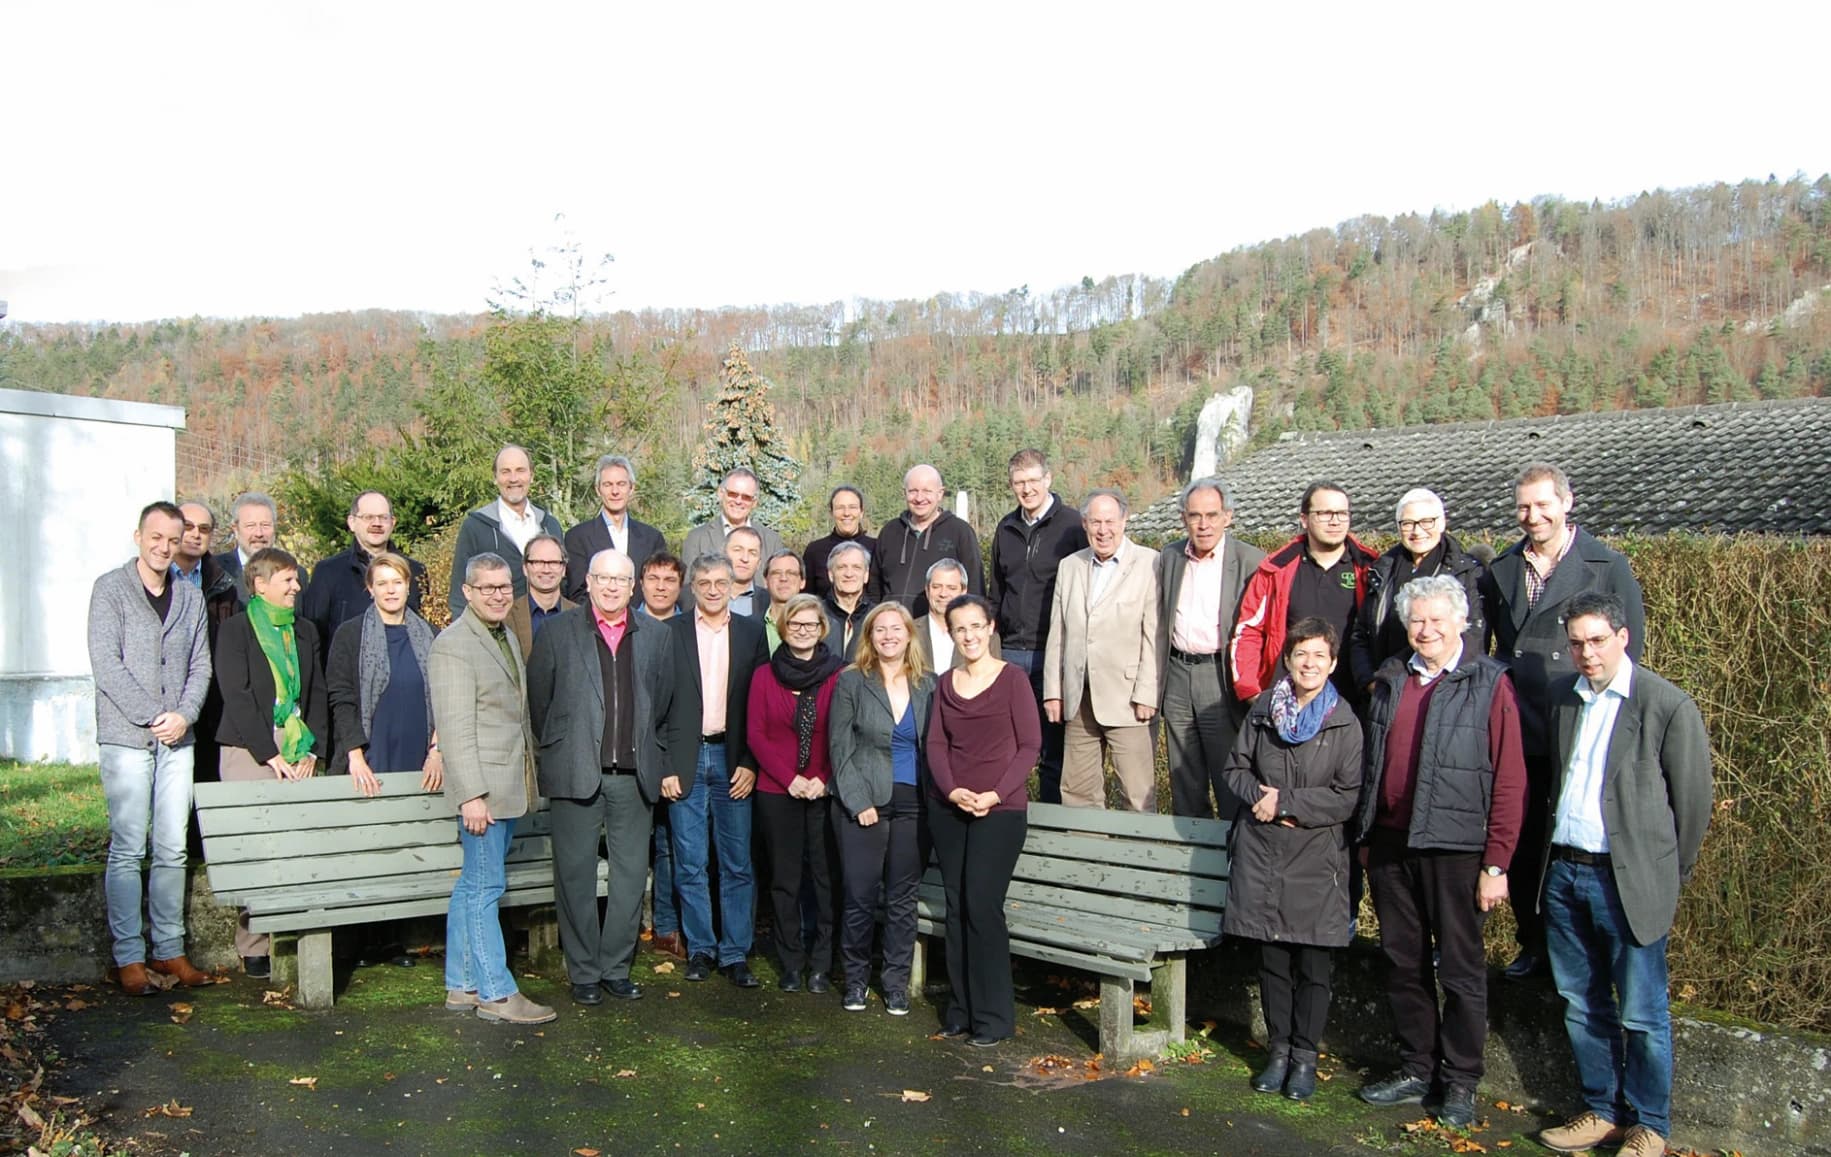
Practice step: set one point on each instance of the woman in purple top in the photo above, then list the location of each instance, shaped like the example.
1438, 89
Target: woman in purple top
983, 740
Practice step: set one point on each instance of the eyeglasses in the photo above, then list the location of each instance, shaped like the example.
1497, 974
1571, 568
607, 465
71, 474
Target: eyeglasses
740, 496
1408, 525
546, 562
1329, 515
611, 580
794, 626
373, 517
494, 590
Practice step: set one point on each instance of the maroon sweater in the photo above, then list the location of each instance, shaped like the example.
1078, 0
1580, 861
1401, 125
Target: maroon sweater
1405, 738
987, 743
770, 729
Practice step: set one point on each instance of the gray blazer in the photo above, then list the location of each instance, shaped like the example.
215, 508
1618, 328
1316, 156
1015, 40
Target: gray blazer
566, 705
1656, 794
1238, 561
858, 738
481, 715
142, 667
709, 538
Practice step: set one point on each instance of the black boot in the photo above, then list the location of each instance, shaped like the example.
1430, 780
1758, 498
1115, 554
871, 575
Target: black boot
1271, 1077
1300, 1082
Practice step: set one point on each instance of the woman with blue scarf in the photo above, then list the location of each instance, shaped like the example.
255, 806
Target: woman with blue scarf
1297, 763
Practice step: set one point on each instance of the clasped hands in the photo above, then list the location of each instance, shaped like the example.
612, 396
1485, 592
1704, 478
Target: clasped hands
974, 803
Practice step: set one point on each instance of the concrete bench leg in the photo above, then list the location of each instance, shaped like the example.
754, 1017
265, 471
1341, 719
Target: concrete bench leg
1115, 1018
1119, 1039
316, 978
918, 969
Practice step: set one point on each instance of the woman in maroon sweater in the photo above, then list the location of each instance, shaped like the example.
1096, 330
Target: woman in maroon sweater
983, 740
787, 731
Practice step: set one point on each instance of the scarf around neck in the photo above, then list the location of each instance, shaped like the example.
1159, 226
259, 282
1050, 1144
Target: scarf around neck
274, 631
374, 671
1300, 725
803, 677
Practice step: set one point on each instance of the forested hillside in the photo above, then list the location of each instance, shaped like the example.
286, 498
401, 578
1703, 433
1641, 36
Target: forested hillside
1664, 298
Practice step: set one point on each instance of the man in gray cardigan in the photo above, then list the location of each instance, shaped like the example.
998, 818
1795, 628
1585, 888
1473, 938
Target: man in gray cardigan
1629, 807
150, 654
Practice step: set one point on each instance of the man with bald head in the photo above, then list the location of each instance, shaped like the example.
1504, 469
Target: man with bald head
339, 589
503, 527
916, 539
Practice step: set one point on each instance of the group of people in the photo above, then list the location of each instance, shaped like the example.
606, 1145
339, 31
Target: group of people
877, 701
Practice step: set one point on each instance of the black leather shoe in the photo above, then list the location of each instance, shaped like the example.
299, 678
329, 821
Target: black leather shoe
586, 994
984, 1041
623, 989
699, 968
1300, 1082
257, 967
1527, 965
1270, 1079
791, 981
1458, 1111
1398, 1089
953, 1029
818, 983
740, 975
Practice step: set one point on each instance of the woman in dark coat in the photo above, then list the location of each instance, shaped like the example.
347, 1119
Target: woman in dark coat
1423, 549
381, 711
1297, 762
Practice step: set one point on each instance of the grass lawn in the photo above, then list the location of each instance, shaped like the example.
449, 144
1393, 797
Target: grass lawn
51, 815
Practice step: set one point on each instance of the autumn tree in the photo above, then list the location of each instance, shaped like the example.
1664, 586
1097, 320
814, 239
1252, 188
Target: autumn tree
740, 430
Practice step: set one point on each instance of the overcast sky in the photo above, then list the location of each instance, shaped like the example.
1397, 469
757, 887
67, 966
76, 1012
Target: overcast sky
249, 158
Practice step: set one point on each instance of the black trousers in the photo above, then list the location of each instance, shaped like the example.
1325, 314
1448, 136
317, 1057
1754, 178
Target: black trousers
1525, 875
978, 855
1423, 898
887, 857
1294, 992
796, 838
619, 821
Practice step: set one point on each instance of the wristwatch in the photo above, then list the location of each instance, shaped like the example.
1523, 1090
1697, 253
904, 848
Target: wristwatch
1494, 870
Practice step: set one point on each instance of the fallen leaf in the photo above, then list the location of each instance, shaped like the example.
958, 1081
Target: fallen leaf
170, 1109
665, 967
307, 1082
77, 1004
1503, 1144
672, 995
986, 1069
915, 1095
30, 1116
625, 1074
181, 1012
1465, 1145
1044, 1010
1088, 1002
586, 1152
1185, 1112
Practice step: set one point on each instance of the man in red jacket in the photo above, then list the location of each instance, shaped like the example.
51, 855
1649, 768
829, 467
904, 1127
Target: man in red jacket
1322, 572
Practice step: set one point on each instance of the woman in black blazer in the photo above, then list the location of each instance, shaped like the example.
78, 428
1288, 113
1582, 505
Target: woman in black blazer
381, 712
272, 728
877, 727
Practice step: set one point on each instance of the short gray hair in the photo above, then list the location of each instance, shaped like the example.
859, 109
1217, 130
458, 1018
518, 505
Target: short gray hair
1209, 483
1437, 586
709, 562
1103, 492
609, 460
739, 472
832, 556
952, 564
487, 560
255, 498
1418, 494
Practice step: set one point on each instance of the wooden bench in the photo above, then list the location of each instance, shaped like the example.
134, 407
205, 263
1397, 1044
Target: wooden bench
1118, 894
311, 855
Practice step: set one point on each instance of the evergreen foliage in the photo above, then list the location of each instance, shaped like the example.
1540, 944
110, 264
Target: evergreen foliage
740, 430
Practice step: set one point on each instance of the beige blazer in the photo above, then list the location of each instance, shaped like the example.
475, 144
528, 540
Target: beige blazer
480, 708
1110, 648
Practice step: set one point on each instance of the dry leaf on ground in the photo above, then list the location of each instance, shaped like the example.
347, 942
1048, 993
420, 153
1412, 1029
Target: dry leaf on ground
586, 1152
624, 1074
665, 967
306, 1082
915, 1095
181, 1012
170, 1109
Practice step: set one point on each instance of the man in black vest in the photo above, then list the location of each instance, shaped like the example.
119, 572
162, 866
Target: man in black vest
616, 734
1439, 813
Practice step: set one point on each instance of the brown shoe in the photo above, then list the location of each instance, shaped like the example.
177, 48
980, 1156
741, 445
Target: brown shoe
1580, 1133
673, 944
133, 980
180, 969
458, 1000
515, 1009
1641, 1141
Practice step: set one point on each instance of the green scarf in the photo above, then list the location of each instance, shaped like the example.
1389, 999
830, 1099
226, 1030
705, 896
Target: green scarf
273, 630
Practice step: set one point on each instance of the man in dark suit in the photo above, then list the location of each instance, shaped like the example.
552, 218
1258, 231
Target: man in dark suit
617, 732
716, 652
339, 587
1199, 582
612, 526
254, 521
1629, 807
1526, 595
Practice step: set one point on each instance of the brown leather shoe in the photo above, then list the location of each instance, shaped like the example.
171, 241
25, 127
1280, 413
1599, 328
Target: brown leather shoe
133, 979
180, 969
673, 944
1641, 1141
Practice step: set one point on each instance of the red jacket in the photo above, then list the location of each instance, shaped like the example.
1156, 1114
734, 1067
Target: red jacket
771, 724
1258, 631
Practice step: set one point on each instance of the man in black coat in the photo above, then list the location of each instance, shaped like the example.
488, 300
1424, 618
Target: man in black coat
1525, 595
847, 506
613, 526
339, 587
617, 733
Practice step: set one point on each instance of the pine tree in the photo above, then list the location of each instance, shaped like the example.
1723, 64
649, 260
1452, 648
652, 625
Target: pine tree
741, 431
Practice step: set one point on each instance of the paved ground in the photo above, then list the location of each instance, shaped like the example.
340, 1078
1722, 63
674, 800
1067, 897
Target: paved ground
698, 1068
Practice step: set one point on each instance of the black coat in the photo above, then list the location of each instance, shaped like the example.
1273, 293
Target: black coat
246, 682
339, 592
1020, 581
1378, 635
590, 536
749, 650
1290, 884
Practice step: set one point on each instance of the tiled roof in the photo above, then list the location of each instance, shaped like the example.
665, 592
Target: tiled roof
1740, 467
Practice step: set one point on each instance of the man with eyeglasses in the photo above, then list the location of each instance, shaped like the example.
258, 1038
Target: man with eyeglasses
782, 581
737, 505
339, 587
614, 741
545, 563
1321, 573
612, 526
1424, 548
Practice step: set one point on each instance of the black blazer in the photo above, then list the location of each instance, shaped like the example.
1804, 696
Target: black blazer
246, 683
591, 536
749, 650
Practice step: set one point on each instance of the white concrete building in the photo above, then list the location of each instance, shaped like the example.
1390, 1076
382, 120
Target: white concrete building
77, 473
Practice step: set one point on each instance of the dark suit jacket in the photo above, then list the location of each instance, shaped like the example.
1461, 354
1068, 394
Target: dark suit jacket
521, 621
246, 683
591, 536
1531, 641
1656, 793
748, 652
566, 706
1238, 561
858, 738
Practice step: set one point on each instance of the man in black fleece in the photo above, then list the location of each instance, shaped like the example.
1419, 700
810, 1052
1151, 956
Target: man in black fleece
922, 535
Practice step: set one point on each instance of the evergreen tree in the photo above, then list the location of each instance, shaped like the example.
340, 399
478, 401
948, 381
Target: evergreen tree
741, 431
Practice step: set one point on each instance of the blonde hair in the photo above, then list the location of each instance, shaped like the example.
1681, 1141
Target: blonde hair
800, 602
866, 657
387, 560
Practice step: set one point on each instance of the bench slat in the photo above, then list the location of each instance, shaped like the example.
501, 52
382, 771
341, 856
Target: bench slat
1196, 922
1022, 926
382, 809
249, 876
1098, 965
1184, 859
1082, 874
318, 788
360, 892
255, 846
399, 910
1179, 829
1154, 938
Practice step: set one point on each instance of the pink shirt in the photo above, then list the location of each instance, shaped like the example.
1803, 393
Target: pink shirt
714, 670
1197, 629
610, 632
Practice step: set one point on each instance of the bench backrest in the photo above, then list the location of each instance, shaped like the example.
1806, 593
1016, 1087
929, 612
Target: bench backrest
1166, 870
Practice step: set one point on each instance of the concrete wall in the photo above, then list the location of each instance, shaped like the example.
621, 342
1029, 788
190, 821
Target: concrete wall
78, 471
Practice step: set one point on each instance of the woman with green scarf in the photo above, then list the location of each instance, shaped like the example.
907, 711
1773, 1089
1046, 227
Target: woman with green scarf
276, 719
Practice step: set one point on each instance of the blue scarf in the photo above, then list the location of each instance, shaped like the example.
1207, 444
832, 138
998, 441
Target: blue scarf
1300, 725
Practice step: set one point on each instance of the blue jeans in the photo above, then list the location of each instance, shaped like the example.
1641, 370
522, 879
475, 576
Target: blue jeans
710, 803
476, 959
149, 801
1049, 767
1623, 1048
666, 903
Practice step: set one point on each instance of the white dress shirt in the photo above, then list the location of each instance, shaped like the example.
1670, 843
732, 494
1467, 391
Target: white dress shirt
1578, 823
521, 528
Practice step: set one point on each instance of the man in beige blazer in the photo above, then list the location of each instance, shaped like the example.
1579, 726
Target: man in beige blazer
1100, 663
478, 682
